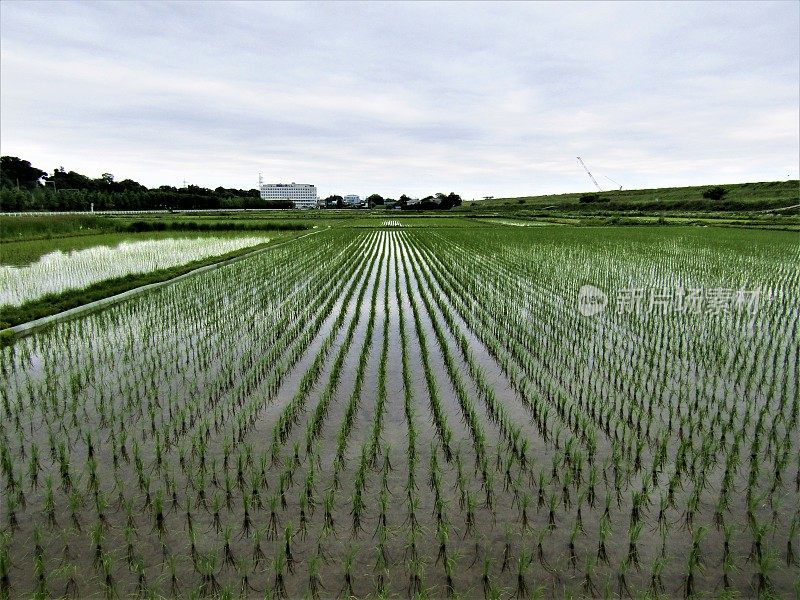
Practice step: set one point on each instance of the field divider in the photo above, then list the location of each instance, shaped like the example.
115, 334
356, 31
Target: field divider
24, 329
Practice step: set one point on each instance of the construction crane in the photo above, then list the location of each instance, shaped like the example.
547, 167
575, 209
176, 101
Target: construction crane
594, 181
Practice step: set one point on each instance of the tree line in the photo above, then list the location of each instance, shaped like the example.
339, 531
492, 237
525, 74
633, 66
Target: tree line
24, 187
437, 201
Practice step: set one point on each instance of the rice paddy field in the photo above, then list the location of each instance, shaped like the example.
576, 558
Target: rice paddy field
420, 408
58, 271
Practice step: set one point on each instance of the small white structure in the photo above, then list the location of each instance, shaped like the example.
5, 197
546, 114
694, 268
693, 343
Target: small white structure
352, 199
303, 195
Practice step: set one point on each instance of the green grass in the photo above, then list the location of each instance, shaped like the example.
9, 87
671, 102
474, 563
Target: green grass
785, 223
42, 227
740, 197
29, 227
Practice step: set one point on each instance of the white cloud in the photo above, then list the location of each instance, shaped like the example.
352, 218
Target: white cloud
479, 98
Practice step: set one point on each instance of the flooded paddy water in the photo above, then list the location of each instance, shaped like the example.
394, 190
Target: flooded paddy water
396, 411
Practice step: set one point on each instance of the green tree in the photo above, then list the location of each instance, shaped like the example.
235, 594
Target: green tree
15, 172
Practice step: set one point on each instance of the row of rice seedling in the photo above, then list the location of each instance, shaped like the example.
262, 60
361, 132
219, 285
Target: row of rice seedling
255, 431
628, 454
66, 396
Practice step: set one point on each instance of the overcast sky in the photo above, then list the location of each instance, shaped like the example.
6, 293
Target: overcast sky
480, 99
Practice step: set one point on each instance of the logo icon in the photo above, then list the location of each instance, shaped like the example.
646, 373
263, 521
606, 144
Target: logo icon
591, 300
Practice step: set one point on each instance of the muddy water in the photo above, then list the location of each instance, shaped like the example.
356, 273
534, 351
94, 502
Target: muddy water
386, 253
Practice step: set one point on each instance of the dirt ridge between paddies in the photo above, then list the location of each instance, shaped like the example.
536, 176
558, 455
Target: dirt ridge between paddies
11, 334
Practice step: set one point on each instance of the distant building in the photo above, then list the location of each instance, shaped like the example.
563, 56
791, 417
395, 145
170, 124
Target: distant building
352, 199
303, 195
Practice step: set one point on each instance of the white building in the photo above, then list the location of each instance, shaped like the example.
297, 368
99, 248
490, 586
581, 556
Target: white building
352, 199
303, 195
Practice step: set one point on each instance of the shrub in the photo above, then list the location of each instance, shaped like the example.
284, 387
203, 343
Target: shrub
587, 198
715, 193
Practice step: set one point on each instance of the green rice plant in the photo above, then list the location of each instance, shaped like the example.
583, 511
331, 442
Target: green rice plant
604, 532
469, 516
759, 531
762, 579
129, 534
693, 565
328, 503
5, 564
158, 513
791, 558
486, 579
551, 517
523, 563
622, 580
206, 567
69, 572
109, 583
11, 511
573, 558
174, 584
442, 535
450, 563
349, 563
228, 559
416, 584
49, 502
382, 557
315, 586
357, 511
523, 508
272, 525
728, 567
656, 580
97, 537
540, 555
288, 535
587, 583
634, 533
138, 570
542, 487
34, 466
246, 519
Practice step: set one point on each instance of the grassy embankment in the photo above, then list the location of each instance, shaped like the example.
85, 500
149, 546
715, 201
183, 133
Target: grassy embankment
762, 205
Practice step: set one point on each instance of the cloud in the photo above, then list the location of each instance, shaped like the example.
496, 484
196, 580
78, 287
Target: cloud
479, 98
